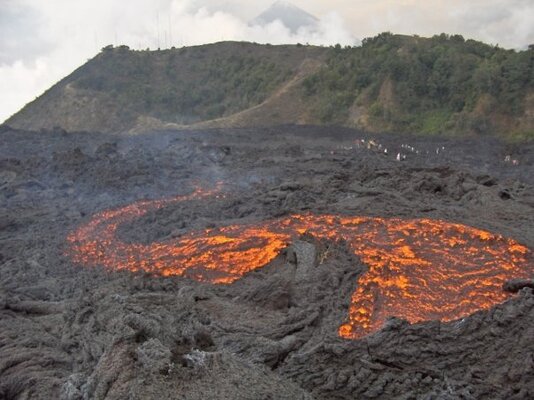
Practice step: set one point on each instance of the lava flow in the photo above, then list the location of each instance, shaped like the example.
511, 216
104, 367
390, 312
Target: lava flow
418, 269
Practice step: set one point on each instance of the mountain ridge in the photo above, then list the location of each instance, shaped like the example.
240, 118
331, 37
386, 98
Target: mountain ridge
392, 83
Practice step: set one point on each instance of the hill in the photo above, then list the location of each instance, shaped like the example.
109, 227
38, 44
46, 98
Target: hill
121, 89
444, 84
439, 85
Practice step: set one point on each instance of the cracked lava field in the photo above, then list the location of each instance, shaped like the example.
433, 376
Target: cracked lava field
418, 269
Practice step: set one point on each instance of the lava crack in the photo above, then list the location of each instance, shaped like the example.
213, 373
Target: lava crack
418, 269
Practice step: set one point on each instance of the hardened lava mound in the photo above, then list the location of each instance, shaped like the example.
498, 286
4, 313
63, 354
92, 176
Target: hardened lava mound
418, 269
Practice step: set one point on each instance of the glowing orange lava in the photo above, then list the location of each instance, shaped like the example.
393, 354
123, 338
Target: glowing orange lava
419, 269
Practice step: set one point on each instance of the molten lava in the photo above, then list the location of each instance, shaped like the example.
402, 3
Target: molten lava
418, 269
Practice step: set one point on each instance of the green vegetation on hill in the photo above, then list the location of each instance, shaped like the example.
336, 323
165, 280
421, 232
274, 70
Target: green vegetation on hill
439, 85
122, 89
184, 85
436, 85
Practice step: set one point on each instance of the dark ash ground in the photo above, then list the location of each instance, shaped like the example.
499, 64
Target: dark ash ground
73, 332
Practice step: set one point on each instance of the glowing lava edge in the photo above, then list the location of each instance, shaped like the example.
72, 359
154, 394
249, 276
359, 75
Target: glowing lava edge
418, 269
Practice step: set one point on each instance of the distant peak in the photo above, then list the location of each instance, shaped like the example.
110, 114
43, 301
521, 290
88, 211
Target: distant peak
282, 4
289, 14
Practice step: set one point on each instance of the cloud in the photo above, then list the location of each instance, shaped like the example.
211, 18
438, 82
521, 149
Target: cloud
19, 81
507, 23
16, 18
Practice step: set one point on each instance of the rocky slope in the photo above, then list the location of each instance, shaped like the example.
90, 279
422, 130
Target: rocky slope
120, 89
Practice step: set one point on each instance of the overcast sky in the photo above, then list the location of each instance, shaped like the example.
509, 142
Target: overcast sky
41, 41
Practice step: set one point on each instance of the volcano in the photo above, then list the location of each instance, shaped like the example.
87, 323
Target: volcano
291, 16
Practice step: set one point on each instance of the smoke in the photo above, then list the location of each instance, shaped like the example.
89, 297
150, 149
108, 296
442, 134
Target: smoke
42, 42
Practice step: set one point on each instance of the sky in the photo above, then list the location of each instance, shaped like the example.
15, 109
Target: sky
41, 41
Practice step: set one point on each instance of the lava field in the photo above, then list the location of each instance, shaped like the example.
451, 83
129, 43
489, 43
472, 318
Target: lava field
276, 263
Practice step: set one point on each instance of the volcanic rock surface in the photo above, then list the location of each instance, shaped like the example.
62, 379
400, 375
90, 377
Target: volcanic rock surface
73, 331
